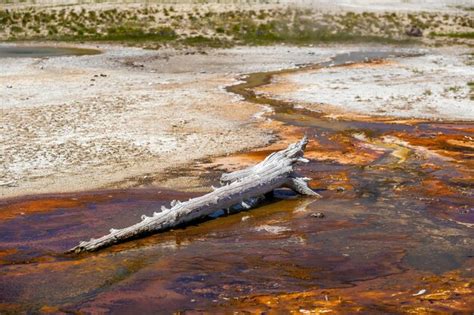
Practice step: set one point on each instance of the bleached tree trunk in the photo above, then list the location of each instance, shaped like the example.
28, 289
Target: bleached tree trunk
242, 189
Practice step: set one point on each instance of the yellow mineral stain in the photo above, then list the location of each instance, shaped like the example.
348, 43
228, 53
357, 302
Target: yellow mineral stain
5, 253
49, 309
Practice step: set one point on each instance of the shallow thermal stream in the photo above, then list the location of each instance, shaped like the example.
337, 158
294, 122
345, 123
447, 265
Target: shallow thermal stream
396, 233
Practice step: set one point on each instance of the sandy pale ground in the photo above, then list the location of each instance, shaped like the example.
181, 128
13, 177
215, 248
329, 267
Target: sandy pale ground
128, 115
75, 123
431, 86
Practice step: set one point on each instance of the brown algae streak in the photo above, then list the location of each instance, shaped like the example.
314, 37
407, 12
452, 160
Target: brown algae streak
394, 235
20, 51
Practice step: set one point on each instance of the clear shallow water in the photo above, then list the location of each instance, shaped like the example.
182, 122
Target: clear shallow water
40, 52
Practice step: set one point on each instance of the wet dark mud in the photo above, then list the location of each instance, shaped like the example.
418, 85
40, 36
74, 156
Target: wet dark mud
396, 234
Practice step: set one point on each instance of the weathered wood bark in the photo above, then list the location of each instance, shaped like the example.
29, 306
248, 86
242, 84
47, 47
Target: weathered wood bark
242, 190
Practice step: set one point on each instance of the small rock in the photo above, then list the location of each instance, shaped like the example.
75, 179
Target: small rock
414, 31
318, 215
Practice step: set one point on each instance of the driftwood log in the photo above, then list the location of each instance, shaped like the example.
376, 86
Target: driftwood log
241, 190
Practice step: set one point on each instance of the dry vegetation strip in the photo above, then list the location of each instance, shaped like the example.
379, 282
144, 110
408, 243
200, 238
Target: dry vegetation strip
159, 24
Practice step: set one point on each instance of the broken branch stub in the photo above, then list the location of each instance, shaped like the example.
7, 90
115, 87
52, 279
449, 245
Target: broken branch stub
241, 189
